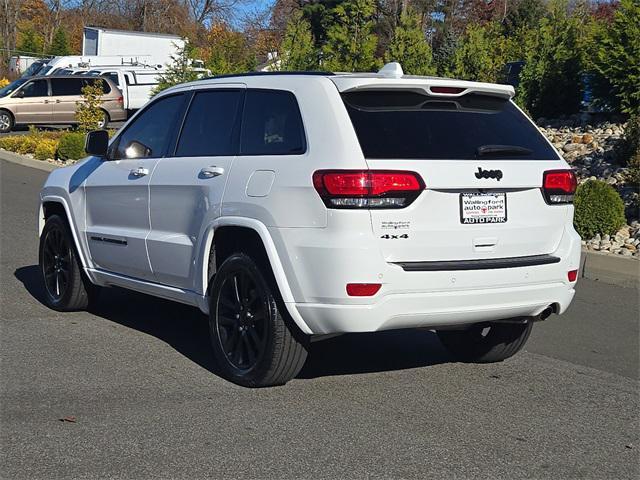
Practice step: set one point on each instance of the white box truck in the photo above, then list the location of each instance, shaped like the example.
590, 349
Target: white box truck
158, 47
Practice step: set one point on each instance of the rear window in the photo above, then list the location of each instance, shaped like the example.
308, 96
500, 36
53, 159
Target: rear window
411, 125
271, 124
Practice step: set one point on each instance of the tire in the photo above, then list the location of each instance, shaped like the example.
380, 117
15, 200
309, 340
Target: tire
66, 286
104, 122
476, 345
6, 121
253, 340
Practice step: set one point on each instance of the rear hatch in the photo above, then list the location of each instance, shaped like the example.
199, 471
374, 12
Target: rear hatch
482, 162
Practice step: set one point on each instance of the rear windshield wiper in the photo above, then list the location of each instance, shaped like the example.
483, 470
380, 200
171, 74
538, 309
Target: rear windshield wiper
502, 150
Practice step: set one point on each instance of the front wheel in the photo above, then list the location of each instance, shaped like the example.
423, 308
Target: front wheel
66, 286
254, 343
6, 121
486, 343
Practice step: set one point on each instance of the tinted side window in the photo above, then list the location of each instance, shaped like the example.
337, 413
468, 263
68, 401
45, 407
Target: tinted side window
271, 124
151, 132
66, 86
113, 76
209, 126
37, 88
105, 85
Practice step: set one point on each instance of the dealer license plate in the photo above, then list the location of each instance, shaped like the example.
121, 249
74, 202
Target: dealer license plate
483, 208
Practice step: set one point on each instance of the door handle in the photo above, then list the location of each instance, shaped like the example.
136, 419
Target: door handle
139, 172
57, 100
46, 101
210, 172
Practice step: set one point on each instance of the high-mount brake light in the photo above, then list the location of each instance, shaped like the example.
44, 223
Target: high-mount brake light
559, 186
447, 90
367, 188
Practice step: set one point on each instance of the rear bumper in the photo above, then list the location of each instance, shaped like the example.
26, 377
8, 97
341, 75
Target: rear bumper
319, 264
437, 309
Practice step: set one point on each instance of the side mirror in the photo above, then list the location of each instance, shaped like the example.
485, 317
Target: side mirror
97, 143
19, 94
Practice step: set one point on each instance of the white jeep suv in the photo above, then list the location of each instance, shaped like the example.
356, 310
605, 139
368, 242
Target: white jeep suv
290, 207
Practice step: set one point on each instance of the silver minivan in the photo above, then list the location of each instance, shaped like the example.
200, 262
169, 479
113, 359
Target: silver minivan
54, 100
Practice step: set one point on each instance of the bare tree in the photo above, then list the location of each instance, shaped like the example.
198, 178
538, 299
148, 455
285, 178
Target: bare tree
9, 10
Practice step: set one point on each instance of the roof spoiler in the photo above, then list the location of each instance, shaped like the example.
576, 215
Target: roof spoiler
391, 76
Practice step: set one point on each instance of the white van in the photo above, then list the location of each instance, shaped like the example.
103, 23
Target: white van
136, 85
94, 61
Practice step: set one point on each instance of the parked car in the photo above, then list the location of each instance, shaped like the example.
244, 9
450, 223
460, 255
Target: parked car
293, 207
53, 100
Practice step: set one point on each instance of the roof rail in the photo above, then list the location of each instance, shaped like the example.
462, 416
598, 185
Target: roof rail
261, 74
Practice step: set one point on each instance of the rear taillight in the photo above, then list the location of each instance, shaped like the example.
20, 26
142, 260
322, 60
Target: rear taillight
559, 186
367, 188
120, 100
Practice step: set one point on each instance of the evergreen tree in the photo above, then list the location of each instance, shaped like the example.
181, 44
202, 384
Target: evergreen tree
617, 55
550, 80
297, 51
178, 71
444, 52
409, 46
31, 43
60, 43
481, 54
351, 43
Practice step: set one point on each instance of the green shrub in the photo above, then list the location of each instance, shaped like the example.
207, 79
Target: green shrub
46, 149
599, 209
71, 146
10, 142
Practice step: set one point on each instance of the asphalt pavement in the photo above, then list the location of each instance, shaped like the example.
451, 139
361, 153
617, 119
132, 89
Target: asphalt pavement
137, 379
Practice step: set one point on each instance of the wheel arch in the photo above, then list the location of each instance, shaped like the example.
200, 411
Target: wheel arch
52, 205
244, 229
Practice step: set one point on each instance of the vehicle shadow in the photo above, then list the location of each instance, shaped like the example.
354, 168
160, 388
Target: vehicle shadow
186, 329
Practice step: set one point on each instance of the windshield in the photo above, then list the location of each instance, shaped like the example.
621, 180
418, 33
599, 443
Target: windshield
33, 69
46, 69
12, 87
410, 125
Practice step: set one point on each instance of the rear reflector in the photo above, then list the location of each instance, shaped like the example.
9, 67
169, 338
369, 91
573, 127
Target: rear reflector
367, 188
572, 275
559, 186
362, 289
447, 90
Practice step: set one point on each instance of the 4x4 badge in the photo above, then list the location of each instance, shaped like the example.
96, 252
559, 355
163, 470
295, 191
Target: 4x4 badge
497, 174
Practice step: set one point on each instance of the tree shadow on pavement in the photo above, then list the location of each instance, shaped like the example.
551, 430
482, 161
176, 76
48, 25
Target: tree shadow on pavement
186, 329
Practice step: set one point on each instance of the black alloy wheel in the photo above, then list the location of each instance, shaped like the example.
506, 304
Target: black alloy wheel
66, 286
56, 262
255, 342
242, 311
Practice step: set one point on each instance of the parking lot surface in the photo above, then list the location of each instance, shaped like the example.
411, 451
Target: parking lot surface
135, 381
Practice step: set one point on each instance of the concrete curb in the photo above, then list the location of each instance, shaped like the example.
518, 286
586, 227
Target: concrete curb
27, 162
612, 269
